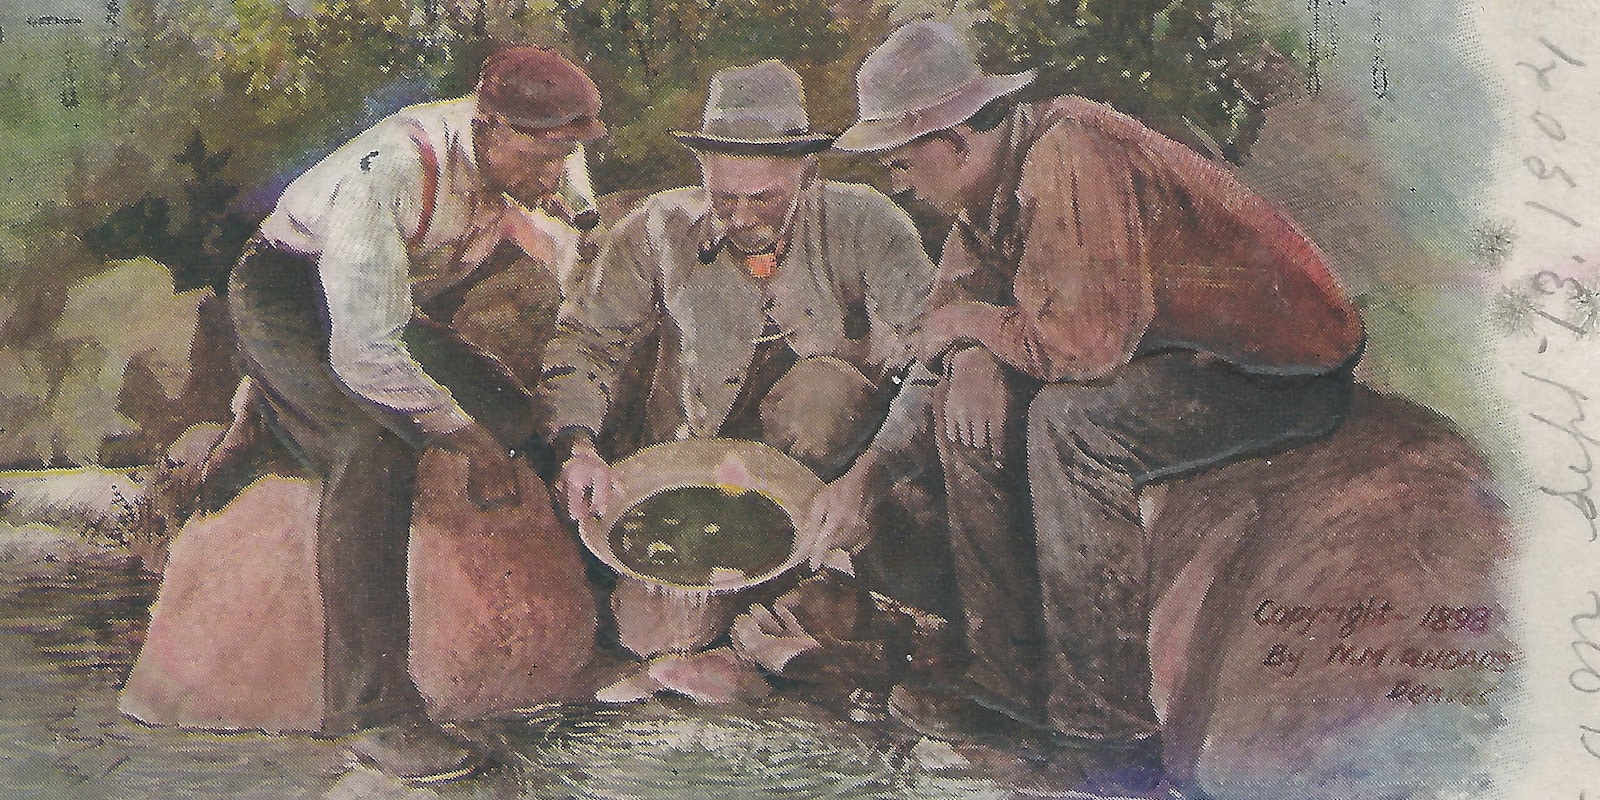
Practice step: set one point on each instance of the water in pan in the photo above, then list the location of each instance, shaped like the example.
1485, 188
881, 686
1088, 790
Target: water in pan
683, 535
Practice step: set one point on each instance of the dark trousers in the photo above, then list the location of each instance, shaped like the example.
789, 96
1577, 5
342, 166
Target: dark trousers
1057, 612
367, 460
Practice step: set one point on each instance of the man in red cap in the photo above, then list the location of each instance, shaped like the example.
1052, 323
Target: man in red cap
334, 303
1111, 310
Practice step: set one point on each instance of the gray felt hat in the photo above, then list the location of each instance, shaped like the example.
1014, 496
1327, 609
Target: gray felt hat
924, 78
756, 110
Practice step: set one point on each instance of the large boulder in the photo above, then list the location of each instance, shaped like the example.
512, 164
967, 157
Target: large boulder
1334, 625
235, 637
501, 615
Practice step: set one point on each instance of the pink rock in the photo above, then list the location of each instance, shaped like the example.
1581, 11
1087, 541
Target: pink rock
235, 633
714, 677
1396, 506
633, 685
502, 616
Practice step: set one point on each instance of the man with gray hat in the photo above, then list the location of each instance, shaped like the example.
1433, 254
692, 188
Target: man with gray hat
341, 305
783, 303
1111, 309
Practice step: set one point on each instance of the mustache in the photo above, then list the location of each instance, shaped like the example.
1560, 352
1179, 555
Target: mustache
710, 249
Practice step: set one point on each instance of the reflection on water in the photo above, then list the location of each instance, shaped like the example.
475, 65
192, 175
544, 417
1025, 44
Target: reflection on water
70, 623
677, 750
70, 620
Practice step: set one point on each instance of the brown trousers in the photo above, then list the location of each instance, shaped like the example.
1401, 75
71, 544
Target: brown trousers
1051, 559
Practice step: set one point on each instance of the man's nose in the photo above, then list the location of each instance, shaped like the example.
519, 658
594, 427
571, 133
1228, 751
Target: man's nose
744, 214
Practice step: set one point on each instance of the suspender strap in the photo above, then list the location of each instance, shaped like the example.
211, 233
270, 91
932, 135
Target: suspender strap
430, 181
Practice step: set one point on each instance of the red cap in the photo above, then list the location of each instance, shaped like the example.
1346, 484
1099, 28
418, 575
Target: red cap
536, 87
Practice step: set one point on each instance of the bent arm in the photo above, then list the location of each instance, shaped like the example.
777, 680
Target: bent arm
599, 328
1083, 286
364, 270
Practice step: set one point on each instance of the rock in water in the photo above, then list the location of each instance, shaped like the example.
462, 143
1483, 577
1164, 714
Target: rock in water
235, 639
501, 614
714, 677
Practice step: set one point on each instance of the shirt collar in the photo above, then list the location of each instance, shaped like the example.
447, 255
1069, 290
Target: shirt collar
458, 124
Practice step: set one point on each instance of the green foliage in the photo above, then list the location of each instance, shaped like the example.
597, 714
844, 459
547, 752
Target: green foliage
653, 59
1180, 65
266, 83
226, 103
203, 245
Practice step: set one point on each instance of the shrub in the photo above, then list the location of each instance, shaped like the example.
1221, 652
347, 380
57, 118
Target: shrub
1201, 71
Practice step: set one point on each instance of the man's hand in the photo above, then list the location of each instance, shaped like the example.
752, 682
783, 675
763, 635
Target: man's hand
838, 514
491, 475
974, 410
586, 484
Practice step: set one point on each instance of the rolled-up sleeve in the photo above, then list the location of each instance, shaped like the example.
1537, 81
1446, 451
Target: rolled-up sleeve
365, 274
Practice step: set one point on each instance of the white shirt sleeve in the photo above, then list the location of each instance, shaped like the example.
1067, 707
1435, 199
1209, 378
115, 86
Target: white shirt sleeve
365, 273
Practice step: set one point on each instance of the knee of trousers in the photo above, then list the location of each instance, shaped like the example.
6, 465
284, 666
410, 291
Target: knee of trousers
1072, 420
1060, 408
815, 410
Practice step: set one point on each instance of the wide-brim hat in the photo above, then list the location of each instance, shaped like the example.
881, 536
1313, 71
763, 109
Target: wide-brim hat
756, 110
538, 88
923, 78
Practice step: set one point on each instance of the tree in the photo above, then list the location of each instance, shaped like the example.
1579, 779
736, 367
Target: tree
653, 59
1201, 71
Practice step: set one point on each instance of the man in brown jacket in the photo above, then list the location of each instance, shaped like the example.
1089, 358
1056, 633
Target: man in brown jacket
1111, 309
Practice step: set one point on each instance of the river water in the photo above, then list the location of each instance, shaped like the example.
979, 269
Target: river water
71, 618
